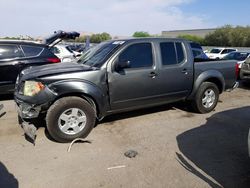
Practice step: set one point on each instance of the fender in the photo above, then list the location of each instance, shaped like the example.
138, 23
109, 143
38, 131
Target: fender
209, 75
83, 88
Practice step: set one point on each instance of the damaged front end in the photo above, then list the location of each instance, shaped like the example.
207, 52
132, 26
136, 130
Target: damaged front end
28, 111
32, 100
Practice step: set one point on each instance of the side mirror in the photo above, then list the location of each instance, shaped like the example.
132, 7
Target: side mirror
122, 65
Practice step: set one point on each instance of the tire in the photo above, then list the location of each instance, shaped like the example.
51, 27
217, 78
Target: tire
70, 118
203, 105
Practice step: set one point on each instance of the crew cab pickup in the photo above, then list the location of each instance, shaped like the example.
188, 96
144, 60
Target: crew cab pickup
117, 76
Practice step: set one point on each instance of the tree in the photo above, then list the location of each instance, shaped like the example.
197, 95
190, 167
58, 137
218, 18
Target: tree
229, 36
193, 38
97, 38
141, 34
221, 37
81, 39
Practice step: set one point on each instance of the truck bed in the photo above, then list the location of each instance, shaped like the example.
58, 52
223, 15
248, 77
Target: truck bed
227, 68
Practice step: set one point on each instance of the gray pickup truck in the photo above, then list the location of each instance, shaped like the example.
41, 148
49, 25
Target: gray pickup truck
117, 76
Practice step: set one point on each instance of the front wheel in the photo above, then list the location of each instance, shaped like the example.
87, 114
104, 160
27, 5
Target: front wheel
206, 98
70, 118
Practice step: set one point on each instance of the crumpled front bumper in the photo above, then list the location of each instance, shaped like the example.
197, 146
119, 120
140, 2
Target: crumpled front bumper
28, 111
31, 107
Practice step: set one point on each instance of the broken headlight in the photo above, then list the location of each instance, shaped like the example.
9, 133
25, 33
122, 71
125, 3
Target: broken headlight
32, 88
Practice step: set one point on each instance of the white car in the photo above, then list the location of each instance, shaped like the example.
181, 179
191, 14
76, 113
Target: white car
63, 53
219, 53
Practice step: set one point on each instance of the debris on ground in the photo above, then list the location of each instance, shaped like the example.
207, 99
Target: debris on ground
116, 167
2, 113
1, 106
131, 153
29, 132
78, 140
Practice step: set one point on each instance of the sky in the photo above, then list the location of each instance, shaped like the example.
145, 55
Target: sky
118, 17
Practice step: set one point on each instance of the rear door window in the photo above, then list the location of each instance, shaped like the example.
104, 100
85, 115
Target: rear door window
140, 55
31, 51
10, 51
172, 53
180, 52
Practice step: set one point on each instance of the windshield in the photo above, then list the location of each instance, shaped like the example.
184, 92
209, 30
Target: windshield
96, 56
215, 51
237, 56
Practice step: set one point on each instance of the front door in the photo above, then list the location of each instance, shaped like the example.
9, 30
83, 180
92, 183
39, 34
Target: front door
135, 85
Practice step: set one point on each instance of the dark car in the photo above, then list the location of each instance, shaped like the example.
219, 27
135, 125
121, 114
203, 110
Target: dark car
240, 57
15, 55
117, 76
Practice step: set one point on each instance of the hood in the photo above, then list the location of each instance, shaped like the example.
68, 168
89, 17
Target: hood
52, 69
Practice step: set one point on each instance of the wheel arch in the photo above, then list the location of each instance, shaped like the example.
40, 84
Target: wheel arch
87, 91
212, 76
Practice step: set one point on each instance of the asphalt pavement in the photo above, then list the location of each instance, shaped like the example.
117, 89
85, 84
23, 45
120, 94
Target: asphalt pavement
175, 148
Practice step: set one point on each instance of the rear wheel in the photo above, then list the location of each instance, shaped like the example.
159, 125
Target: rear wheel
206, 98
69, 118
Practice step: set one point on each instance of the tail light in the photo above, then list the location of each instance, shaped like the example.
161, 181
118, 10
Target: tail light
237, 70
54, 60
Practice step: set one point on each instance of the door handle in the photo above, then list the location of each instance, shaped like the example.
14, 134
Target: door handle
152, 74
184, 71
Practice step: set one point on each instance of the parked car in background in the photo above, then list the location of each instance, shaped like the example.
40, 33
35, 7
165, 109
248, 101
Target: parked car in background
76, 48
219, 53
240, 57
198, 52
117, 76
245, 70
62, 52
17, 55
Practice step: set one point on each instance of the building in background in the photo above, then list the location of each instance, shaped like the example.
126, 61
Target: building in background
195, 32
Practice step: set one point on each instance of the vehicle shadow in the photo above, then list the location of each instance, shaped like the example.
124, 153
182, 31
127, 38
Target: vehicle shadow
7, 179
135, 113
2, 112
40, 122
219, 148
245, 85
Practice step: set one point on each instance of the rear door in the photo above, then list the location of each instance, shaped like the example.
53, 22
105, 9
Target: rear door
10, 59
134, 86
176, 70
